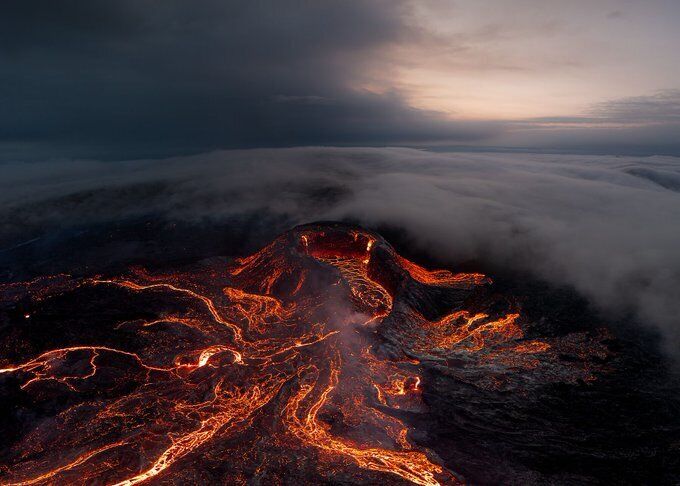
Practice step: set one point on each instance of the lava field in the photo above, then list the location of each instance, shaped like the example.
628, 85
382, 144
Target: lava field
323, 358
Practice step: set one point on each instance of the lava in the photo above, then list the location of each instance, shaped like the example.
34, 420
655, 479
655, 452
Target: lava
442, 277
254, 369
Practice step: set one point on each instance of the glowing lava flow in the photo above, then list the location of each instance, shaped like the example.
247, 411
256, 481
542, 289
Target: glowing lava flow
246, 373
442, 277
368, 294
414, 466
469, 332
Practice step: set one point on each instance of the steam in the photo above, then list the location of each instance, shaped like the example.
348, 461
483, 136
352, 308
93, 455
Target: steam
608, 226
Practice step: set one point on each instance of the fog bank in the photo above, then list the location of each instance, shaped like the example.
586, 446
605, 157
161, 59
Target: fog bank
608, 226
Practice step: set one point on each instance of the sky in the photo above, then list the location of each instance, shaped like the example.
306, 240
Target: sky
123, 79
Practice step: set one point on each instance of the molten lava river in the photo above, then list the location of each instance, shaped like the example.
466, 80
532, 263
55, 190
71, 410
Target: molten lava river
312, 361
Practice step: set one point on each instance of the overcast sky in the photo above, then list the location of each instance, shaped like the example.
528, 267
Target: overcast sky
136, 78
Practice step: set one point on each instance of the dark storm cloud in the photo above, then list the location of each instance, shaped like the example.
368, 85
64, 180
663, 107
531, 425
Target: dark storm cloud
608, 226
125, 78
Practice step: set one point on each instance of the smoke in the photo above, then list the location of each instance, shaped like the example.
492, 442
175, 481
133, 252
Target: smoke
608, 226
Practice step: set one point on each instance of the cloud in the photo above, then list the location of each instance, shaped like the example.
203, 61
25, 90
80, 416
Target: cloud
634, 125
113, 79
128, 78
608, 226
660, 107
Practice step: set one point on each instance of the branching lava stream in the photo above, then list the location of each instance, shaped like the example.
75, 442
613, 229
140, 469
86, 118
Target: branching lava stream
304, 358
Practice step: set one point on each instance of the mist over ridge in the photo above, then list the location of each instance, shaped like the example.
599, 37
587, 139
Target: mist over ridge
608, 226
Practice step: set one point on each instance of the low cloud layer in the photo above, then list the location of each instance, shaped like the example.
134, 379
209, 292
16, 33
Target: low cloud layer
608, 226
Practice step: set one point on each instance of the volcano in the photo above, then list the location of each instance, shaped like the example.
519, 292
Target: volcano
324, 358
